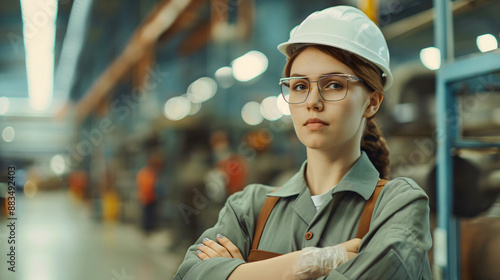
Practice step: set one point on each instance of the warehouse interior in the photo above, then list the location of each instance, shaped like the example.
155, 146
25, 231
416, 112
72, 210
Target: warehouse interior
91, 92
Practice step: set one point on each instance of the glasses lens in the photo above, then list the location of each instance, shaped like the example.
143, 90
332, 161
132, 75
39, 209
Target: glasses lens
333, 88
295, 90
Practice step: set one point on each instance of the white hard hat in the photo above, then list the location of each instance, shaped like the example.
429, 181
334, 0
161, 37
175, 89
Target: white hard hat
346, 28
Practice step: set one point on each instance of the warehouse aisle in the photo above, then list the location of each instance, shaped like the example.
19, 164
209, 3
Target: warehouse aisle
57, 239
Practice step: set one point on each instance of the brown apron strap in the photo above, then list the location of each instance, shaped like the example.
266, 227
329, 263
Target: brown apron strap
366, 216
260, 255
266, 210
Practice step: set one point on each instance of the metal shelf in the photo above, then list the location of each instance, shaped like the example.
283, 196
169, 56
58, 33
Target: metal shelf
475, 64
447, 234
470, 144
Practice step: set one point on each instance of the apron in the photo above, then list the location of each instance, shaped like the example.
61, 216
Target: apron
267, 208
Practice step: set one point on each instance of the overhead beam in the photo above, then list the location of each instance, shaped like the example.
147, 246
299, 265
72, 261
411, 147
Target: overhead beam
417, 22
162, 17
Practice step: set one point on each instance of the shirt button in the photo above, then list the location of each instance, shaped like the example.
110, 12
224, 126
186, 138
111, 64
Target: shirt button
308, 235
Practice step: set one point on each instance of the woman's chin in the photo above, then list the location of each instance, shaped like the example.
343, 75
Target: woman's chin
317, 144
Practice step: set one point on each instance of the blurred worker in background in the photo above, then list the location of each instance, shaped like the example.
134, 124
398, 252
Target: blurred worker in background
231, 166
110, 200
78, 181
147, 180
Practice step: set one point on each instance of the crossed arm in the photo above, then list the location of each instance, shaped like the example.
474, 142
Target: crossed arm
303, 264
395, 247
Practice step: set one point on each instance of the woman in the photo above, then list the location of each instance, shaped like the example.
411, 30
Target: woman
336, 74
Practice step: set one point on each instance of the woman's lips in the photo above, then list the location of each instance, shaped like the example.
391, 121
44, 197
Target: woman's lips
315, 124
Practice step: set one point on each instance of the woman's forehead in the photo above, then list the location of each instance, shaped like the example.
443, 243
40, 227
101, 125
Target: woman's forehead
313, 62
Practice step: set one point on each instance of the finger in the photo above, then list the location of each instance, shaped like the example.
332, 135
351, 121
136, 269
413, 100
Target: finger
231, 248
208, 251
352, 245
220, 250
357, 242
202, 255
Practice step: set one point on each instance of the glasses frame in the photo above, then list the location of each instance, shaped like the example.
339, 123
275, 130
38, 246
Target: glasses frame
346, 76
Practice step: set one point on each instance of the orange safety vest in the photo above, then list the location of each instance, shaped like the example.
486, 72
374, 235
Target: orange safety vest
146, 179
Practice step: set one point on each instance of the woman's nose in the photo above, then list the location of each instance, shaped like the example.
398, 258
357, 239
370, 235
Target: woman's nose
315, 101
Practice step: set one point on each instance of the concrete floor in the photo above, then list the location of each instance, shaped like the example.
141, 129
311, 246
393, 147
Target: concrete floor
56, 239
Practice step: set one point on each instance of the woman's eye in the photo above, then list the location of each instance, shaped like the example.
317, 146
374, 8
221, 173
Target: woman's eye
335, 86
299, 87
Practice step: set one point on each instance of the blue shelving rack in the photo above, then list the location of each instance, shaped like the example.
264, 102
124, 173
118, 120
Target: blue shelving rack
447, 235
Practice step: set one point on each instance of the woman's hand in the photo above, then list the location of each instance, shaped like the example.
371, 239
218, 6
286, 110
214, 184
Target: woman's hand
210, 249
316, 262
352, 247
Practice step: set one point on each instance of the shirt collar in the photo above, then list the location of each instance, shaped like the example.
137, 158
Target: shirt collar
362, 178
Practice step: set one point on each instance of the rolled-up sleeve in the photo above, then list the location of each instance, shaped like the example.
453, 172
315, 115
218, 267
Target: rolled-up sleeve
236, 222
399, 238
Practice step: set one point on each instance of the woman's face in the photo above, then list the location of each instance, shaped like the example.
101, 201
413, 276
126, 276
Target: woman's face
326, 125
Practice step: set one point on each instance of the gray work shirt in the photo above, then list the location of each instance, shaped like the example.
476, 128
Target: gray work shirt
395, 247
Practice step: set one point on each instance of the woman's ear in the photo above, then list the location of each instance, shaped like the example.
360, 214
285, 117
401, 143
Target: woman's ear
374, 104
